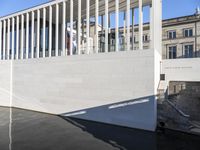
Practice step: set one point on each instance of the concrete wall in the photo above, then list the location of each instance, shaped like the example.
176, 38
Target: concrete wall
181, 69
116, 88
5, 80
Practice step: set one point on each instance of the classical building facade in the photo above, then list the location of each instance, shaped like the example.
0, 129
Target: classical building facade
180, 37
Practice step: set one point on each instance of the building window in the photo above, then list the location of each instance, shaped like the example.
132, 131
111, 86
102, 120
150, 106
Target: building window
135, 39
188, 49
145, 38
171, 34
172, 52
188, 32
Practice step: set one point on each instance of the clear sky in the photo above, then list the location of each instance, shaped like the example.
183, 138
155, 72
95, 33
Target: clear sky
171, 8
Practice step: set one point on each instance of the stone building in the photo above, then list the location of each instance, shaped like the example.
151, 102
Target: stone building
181, 37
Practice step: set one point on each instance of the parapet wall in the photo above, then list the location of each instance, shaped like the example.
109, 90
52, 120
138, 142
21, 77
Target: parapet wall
181, 69
5, 83
116, 88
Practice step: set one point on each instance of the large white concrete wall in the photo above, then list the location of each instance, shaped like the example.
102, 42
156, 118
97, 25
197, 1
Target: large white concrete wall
5, 79
116, 88
181, 69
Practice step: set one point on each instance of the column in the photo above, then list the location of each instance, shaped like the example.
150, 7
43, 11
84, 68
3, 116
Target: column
22, 37
38, 34
0, 40
128, 23
13, 38
133, 27
116, 25
151, 27
27, 35
32, 35
71, 27
17, 39
124, 31
4, 39
57, 29
44, 33
63, 28
97, 26
106, 26
79, 27
88, 26
101, 39
50, 30
140, 25
8, 40
156, 26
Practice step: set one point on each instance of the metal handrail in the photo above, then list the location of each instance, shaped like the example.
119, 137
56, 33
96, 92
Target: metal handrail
178, 110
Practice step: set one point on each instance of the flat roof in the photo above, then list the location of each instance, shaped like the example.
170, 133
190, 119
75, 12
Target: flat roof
122, 6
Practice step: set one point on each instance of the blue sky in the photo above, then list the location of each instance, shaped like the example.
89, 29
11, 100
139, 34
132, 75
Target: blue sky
171, 8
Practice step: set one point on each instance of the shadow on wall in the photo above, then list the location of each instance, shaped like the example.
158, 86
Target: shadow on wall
138, 113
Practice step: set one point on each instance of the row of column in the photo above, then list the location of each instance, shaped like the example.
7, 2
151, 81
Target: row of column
13, 47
